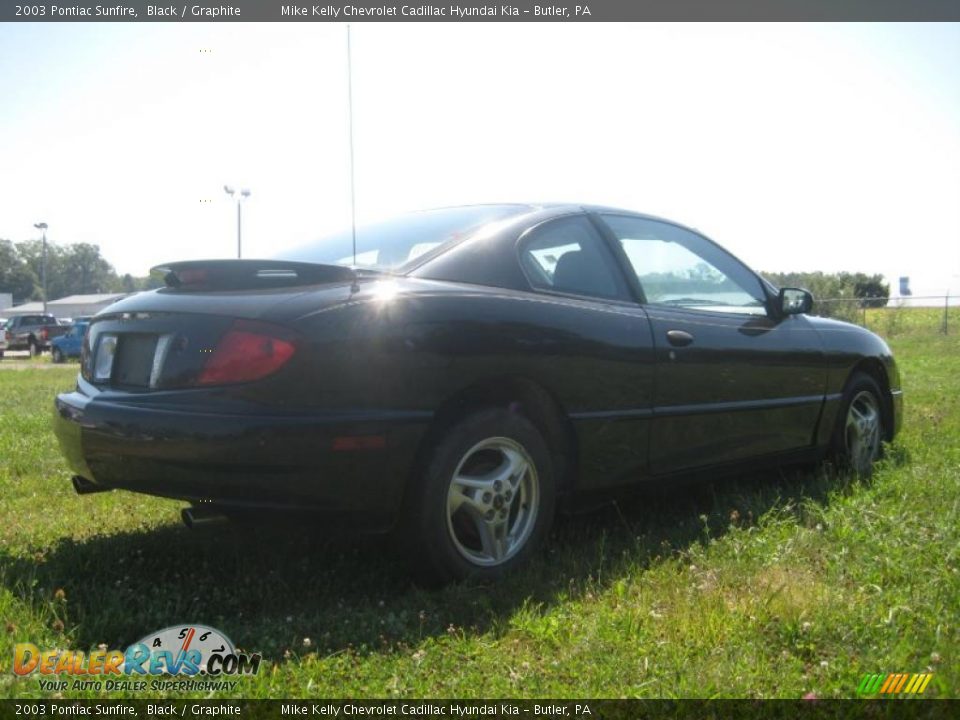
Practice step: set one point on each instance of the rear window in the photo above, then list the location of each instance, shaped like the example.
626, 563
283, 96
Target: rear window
390, 244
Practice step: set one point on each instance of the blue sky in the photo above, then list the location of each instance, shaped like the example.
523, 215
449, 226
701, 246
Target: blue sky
798, 147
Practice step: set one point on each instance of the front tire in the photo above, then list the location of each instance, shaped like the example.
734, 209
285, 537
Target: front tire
486, 501
858, 436
57, 356
33, 348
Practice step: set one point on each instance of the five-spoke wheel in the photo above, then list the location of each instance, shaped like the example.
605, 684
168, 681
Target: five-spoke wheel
859, 435
484, 501
492, 501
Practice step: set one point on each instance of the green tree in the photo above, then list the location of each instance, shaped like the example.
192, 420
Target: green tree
86, 271
16, 277
840, 295
31, 252
77, 269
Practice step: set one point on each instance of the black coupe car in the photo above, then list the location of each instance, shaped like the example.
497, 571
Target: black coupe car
453, 374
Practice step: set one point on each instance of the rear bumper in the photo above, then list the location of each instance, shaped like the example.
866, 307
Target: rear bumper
282, 462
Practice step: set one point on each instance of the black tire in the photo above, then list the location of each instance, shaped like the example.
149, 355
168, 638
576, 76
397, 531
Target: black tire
510, 519
860, 428
1, 354
33, 348
56, 356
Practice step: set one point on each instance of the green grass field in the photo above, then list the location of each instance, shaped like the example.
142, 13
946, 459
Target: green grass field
770, 585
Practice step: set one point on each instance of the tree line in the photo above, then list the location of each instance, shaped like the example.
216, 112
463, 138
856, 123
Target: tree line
77, 269
841, 295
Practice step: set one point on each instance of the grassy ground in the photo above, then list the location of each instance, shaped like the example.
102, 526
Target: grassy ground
773, 585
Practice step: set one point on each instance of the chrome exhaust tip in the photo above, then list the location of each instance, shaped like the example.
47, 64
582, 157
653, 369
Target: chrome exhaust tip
194, 517
86, 487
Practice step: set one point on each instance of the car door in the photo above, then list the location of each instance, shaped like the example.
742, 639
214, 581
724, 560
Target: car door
731, 380
601, 363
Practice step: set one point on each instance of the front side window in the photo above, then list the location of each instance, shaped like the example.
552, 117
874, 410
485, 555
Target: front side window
569, 256
678, 268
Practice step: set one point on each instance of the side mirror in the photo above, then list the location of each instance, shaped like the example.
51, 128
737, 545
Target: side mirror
795, 301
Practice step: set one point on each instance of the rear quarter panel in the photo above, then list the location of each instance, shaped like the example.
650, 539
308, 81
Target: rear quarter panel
413, 345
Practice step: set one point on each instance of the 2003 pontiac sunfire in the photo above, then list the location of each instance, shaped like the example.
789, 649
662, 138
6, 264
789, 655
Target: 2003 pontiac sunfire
461, 373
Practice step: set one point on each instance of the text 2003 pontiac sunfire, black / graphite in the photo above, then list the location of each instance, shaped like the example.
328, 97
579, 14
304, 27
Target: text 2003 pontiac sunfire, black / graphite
463, 371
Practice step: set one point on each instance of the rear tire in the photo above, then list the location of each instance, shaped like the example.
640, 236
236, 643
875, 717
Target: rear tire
859, 432
485, 502
33, 348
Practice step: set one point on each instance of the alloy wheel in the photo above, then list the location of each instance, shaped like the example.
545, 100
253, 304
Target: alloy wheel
862, 431
492, 502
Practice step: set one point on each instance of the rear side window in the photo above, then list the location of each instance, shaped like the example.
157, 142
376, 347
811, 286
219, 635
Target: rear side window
390, 244
569, 256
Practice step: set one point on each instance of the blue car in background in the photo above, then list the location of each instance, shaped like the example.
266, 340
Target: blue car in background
68, 345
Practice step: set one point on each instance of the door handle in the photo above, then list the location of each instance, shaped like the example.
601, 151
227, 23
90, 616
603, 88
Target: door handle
679, 338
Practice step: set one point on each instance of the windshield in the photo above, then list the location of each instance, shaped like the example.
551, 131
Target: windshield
392, 243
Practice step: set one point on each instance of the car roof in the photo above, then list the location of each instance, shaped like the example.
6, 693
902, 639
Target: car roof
488, 258
558, 208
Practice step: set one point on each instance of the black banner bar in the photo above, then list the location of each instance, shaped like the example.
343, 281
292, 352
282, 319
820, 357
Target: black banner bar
473, 11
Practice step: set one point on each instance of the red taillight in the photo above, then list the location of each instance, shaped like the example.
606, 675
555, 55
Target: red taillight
44, 334
249, 351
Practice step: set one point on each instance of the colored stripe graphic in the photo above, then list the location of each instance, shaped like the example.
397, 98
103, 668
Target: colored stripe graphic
889, 681
870, 684
914, 682
903, 679
894, 683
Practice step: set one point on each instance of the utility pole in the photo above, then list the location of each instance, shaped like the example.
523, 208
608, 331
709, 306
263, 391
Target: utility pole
244, 194
43, 263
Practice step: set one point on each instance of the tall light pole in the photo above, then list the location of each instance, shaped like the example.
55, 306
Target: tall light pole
43, 264
244, 194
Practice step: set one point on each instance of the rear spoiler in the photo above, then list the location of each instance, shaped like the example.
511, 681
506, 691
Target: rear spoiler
250, 274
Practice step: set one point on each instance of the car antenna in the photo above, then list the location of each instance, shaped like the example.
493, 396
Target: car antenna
353, 202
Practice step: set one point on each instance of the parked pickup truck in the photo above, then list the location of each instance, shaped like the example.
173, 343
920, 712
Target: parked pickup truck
30, 332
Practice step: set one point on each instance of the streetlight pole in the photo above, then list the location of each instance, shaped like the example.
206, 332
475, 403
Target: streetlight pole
244, 194
43, 264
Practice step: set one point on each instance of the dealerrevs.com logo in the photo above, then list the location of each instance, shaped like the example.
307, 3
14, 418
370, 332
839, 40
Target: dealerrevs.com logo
181, 650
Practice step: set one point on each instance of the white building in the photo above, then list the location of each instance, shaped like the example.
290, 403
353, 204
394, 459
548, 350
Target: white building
68, 307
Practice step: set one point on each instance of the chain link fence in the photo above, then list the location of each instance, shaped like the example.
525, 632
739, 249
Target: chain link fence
928, 314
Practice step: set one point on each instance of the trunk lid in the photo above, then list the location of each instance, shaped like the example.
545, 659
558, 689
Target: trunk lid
167, 338
274, 290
